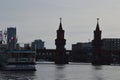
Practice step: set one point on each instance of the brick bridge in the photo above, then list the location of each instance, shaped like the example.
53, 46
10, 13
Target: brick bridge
47, 54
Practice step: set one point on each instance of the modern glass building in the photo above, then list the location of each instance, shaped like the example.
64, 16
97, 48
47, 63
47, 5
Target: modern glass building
38, 44
11, 38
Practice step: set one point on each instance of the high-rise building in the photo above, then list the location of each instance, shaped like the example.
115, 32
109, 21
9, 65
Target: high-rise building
111, 44
1, 37
37, 44
11, 38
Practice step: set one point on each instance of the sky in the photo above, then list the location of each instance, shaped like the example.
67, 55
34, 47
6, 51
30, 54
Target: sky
39, 19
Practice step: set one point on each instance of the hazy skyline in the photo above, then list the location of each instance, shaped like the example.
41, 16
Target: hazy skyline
39, 19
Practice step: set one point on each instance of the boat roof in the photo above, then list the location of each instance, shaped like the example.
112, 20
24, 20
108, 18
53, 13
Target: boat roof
20, 51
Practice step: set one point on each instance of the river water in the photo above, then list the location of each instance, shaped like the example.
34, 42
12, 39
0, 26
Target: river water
72, 71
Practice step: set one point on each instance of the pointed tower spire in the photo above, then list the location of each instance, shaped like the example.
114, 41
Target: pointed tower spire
97, 27
97, 32
60, 26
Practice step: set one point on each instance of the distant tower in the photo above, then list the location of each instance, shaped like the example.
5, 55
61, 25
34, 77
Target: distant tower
61, 57
97, 45
11, 38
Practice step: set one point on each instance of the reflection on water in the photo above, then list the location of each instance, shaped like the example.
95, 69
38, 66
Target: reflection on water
60, 72
65, 72
97, 72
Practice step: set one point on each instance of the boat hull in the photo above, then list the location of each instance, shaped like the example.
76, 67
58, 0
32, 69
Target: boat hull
20, 67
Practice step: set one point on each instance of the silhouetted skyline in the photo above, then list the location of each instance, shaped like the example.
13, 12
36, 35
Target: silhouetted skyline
39, 19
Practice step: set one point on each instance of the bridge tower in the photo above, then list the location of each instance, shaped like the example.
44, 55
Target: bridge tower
97, 45
60, 42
